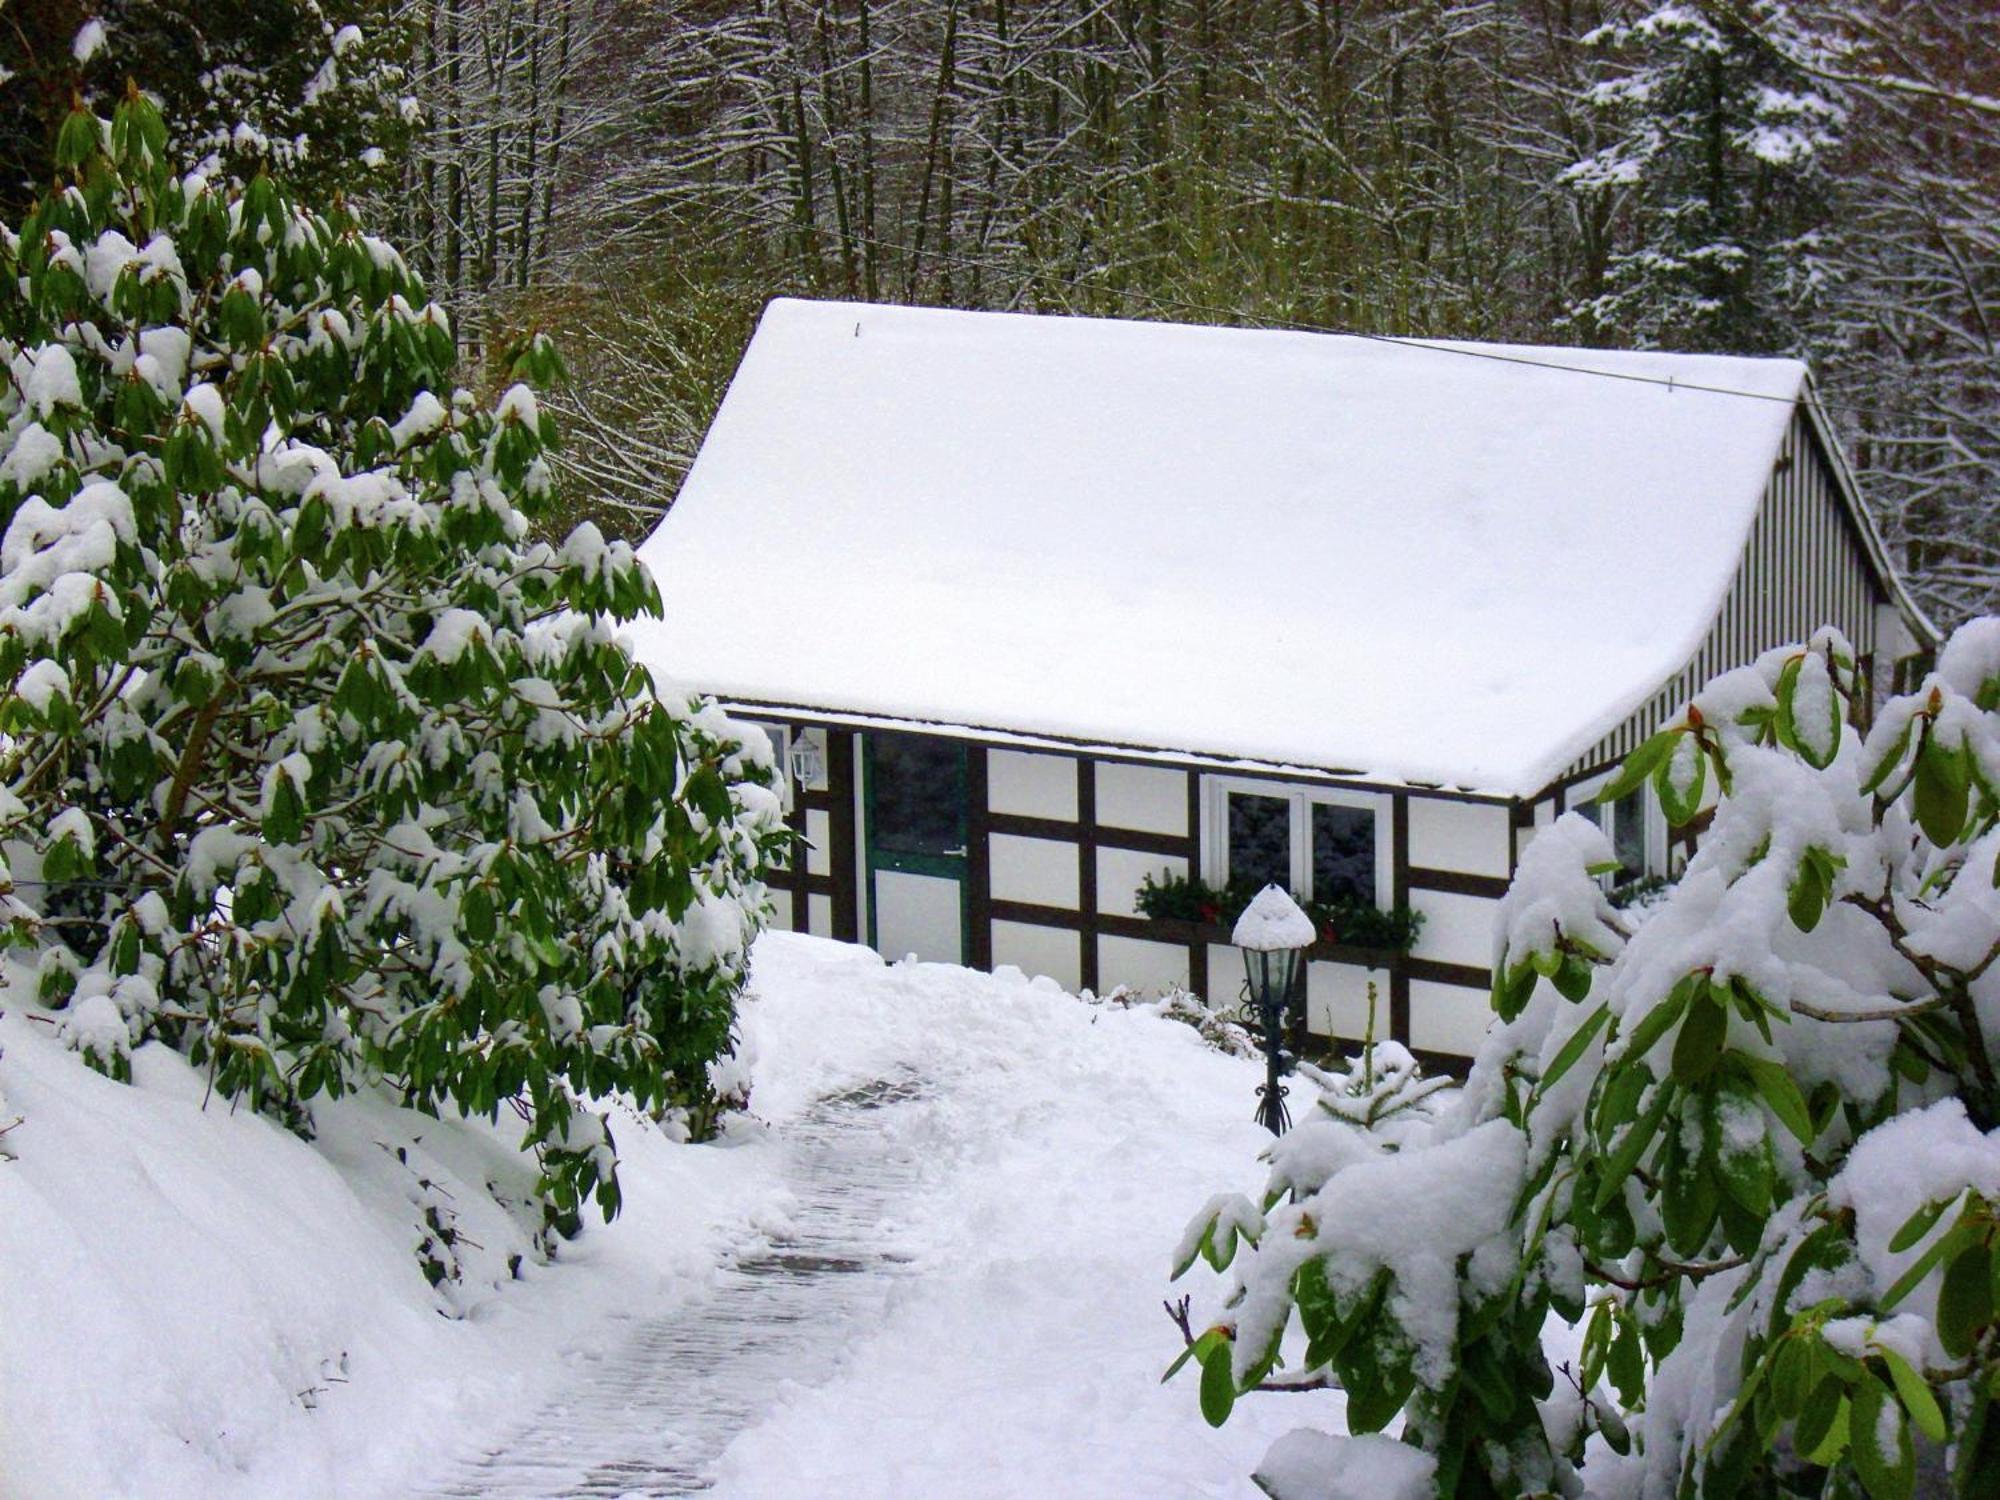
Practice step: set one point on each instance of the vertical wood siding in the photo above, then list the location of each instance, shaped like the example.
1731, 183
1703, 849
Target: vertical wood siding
1804, 566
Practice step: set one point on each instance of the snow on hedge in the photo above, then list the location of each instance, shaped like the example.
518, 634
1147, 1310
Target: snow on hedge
1750, 1147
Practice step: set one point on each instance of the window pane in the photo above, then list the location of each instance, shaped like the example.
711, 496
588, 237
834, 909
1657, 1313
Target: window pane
1343, 850
1628, 833
1260, 839
916, 794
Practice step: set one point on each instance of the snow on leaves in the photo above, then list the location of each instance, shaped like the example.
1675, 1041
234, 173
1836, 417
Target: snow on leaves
1751, 1147
325, 770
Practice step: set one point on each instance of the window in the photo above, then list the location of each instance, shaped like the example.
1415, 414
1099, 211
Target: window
780, 738
1624, 823
916, 795
781, 741
1628, 834
1343, 852
1260, 839
1317, 843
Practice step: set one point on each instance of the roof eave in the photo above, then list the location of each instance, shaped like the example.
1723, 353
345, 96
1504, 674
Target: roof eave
1083, 745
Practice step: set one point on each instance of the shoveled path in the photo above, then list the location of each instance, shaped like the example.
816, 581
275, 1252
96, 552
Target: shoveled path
651, 1416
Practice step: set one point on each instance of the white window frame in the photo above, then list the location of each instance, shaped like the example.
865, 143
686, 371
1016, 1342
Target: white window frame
1216, 791
780, 736
1654, 858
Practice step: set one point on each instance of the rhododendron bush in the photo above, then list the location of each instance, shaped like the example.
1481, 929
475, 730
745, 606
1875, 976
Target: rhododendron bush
318, 765
1747, 1149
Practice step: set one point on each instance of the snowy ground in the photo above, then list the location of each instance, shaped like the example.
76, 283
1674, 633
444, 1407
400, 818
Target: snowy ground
187, 1274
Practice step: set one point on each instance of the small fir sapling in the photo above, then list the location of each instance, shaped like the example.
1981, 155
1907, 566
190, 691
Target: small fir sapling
319, 765
1751, 1149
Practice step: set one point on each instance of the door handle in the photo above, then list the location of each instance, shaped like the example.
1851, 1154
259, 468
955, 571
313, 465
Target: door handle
958, 853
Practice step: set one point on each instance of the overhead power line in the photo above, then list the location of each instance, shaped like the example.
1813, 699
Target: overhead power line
1236, 317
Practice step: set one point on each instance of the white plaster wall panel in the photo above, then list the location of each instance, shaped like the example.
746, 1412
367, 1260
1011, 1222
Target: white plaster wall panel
819, 914
1119, 872
1545, 814
1147, 967
1043, 871
1145, 798
1225, 976
1446, 1018
779, 918
1337, 1000
1469, 837
819, 836
1040, 951
1457, 929
1031, 786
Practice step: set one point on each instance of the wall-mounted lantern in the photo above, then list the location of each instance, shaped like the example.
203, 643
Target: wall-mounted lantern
808, 758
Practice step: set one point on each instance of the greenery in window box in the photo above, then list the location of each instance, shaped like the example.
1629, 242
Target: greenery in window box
1179, 898
1636, 892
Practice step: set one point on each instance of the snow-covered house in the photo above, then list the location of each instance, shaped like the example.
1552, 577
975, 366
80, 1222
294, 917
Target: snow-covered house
1059, 604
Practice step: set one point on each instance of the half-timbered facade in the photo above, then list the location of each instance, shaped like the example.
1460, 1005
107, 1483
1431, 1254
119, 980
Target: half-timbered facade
1055, 606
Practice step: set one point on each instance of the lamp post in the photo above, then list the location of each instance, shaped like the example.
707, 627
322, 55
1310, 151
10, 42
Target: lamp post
1272, 932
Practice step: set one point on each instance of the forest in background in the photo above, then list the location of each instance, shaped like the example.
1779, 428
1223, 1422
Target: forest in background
637, 177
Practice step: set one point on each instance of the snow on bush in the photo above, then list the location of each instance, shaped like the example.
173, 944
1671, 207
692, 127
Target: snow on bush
319, 766
1751, 1148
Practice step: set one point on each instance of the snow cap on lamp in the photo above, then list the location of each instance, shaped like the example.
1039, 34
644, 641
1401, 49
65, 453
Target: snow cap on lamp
1273, 921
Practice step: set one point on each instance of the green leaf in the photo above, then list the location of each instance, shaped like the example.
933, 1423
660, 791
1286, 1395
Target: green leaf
1573, 1049
1656, 1021
1976, 1474
1923, 1265
1891, 758
1826, 1452
1194, 1349
1817, 740
1816, 1416
1218, 1385
1680, 780
1640, 764
1965, 1300
1942, 792
1626, 1364
1743, 1159
1572, 978
1879, 1440
1914, 1394
1512, 989
1791, 1375
1633, 1146
1805, 902
80, 138
1918, 1225
1699, 1047
1782, 1094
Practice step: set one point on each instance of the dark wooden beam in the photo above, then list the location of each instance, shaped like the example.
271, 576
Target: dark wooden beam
1399, 896
1456, 882
1086, 867
979, 821
844, 853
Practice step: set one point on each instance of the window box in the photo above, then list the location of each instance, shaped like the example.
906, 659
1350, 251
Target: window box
1190, 909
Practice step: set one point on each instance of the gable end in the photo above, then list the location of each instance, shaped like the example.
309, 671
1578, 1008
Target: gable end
1809, 561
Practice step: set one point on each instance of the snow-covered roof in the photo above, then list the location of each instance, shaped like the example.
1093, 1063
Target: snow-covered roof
1453, 564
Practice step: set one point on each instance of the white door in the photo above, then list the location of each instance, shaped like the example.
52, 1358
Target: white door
915, 799
920, 914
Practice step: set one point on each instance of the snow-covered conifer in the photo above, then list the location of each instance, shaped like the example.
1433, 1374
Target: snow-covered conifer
1750, 1149
1717, 167
318, 765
